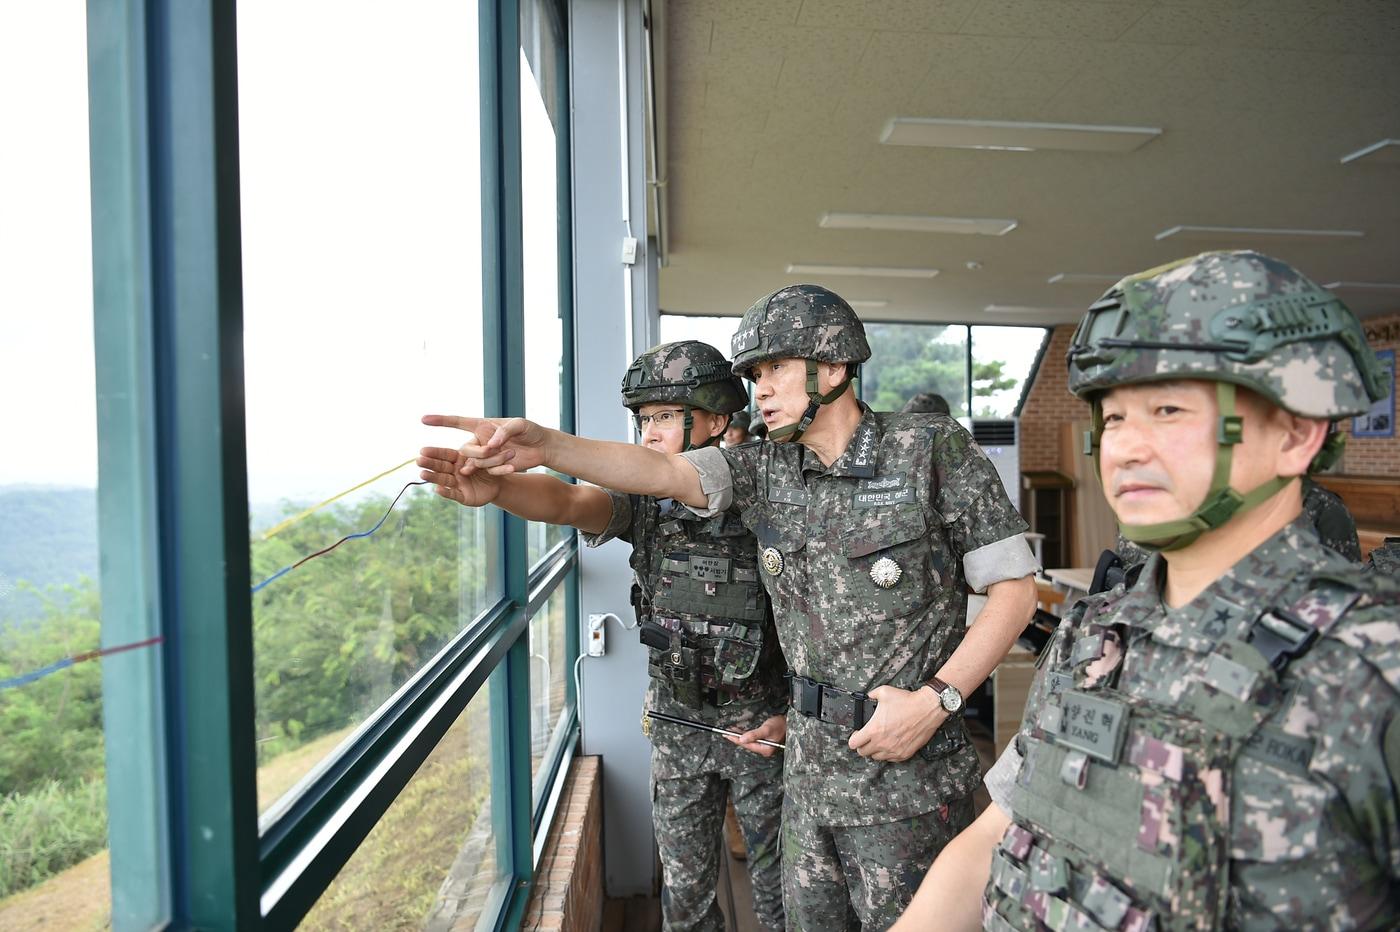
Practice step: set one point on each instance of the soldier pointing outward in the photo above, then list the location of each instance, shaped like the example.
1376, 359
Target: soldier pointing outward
870, 528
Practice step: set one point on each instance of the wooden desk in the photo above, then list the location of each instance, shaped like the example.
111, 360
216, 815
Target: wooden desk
1073, 578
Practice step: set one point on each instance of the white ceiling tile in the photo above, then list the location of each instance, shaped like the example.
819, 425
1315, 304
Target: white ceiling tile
1060, 19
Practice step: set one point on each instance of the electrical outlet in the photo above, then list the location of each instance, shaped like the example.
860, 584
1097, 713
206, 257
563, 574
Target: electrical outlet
597, 635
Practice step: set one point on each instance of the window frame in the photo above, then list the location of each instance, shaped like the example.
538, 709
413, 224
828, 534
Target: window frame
186, 847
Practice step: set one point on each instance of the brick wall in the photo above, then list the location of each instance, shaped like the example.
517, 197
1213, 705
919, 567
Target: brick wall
568, 893
1049, 406
1375, 456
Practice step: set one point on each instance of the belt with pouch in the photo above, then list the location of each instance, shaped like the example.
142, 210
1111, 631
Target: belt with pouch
830, 704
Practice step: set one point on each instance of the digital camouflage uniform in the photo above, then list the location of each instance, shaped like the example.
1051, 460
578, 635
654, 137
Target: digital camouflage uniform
1324, 508
1231, 763
713, 658
913, 502
1386, 558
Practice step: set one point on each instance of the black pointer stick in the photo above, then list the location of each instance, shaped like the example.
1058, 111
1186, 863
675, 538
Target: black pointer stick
703, 727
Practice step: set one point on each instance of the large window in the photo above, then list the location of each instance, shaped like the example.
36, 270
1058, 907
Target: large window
361, 217
53, 814
358, 684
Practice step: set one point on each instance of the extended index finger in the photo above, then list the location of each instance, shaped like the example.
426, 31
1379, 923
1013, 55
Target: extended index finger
458, 421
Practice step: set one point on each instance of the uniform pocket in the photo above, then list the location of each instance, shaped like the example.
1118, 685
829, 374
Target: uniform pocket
894, 570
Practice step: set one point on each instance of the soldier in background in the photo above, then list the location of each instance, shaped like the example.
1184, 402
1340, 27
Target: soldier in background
871, 527
1217, 745
702, 612
1386, 558
926, 403
738, 430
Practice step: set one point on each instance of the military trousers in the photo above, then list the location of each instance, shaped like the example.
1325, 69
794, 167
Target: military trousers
688, 817
860, 877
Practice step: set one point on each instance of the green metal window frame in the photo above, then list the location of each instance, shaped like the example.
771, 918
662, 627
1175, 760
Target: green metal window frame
185, 841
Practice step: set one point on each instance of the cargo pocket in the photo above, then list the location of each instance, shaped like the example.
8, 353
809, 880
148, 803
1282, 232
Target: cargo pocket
892, 565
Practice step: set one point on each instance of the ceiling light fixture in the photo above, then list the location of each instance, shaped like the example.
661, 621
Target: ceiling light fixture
1362, 286
1207, 232
874, 271
1005, 136
1082, 278
868, 304
835, 220
1387, 151
1027, 309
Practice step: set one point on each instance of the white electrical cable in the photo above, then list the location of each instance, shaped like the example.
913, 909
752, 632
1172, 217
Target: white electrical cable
578, 684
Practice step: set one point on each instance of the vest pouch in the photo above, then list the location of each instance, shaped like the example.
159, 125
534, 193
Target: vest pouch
710, 587
1133, 799
735, 657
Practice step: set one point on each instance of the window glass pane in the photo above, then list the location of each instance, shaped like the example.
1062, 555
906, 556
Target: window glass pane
53, 815
1001, 363
907, 359
549, 670
544, 330
432, 861
359, 147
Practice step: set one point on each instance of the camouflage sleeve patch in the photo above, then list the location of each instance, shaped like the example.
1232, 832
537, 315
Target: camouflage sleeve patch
619, 524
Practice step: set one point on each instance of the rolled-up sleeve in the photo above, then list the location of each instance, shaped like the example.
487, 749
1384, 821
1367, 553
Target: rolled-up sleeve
716, 480
1001, 778
619, 523
1008, 558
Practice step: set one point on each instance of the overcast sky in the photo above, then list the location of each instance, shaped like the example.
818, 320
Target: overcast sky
361, 241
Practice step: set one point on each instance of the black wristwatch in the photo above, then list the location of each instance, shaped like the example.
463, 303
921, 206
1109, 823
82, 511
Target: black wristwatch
948, 695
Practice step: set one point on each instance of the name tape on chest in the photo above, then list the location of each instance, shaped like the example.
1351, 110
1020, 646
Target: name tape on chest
1090, 724
788, 496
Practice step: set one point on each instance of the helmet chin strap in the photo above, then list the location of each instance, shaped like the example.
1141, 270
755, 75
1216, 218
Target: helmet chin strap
1221, 502
815, 399
688, 422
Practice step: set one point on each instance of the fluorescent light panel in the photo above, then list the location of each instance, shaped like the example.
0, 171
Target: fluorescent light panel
869, 304
873, 271
1007, 136
1205, 232
1362, 286
835, 220
1082, 278
1386, 152
1026, 309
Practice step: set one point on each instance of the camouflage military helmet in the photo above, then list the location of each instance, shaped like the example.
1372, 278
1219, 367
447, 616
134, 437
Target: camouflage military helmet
1237, 317
799, 322
806, 322
687, 372
741, 419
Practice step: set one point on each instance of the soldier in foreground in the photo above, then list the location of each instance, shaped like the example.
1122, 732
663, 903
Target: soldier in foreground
870, 526
713, 656
1218, 745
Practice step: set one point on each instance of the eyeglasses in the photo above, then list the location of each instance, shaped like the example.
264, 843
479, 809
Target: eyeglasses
664, 420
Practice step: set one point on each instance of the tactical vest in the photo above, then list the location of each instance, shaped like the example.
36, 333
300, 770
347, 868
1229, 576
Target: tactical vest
700, 606
1122, 805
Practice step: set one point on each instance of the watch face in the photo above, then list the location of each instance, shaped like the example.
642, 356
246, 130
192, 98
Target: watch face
952, 699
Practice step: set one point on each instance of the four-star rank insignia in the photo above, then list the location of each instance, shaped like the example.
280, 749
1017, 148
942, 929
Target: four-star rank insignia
885, 573
772, 560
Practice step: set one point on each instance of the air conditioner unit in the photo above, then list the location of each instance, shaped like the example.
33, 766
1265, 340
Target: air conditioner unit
998, 439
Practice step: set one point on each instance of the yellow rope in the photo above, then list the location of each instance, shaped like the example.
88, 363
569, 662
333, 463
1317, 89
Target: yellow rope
283, 525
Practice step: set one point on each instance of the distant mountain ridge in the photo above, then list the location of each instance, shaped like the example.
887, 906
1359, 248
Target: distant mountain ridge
48, 536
